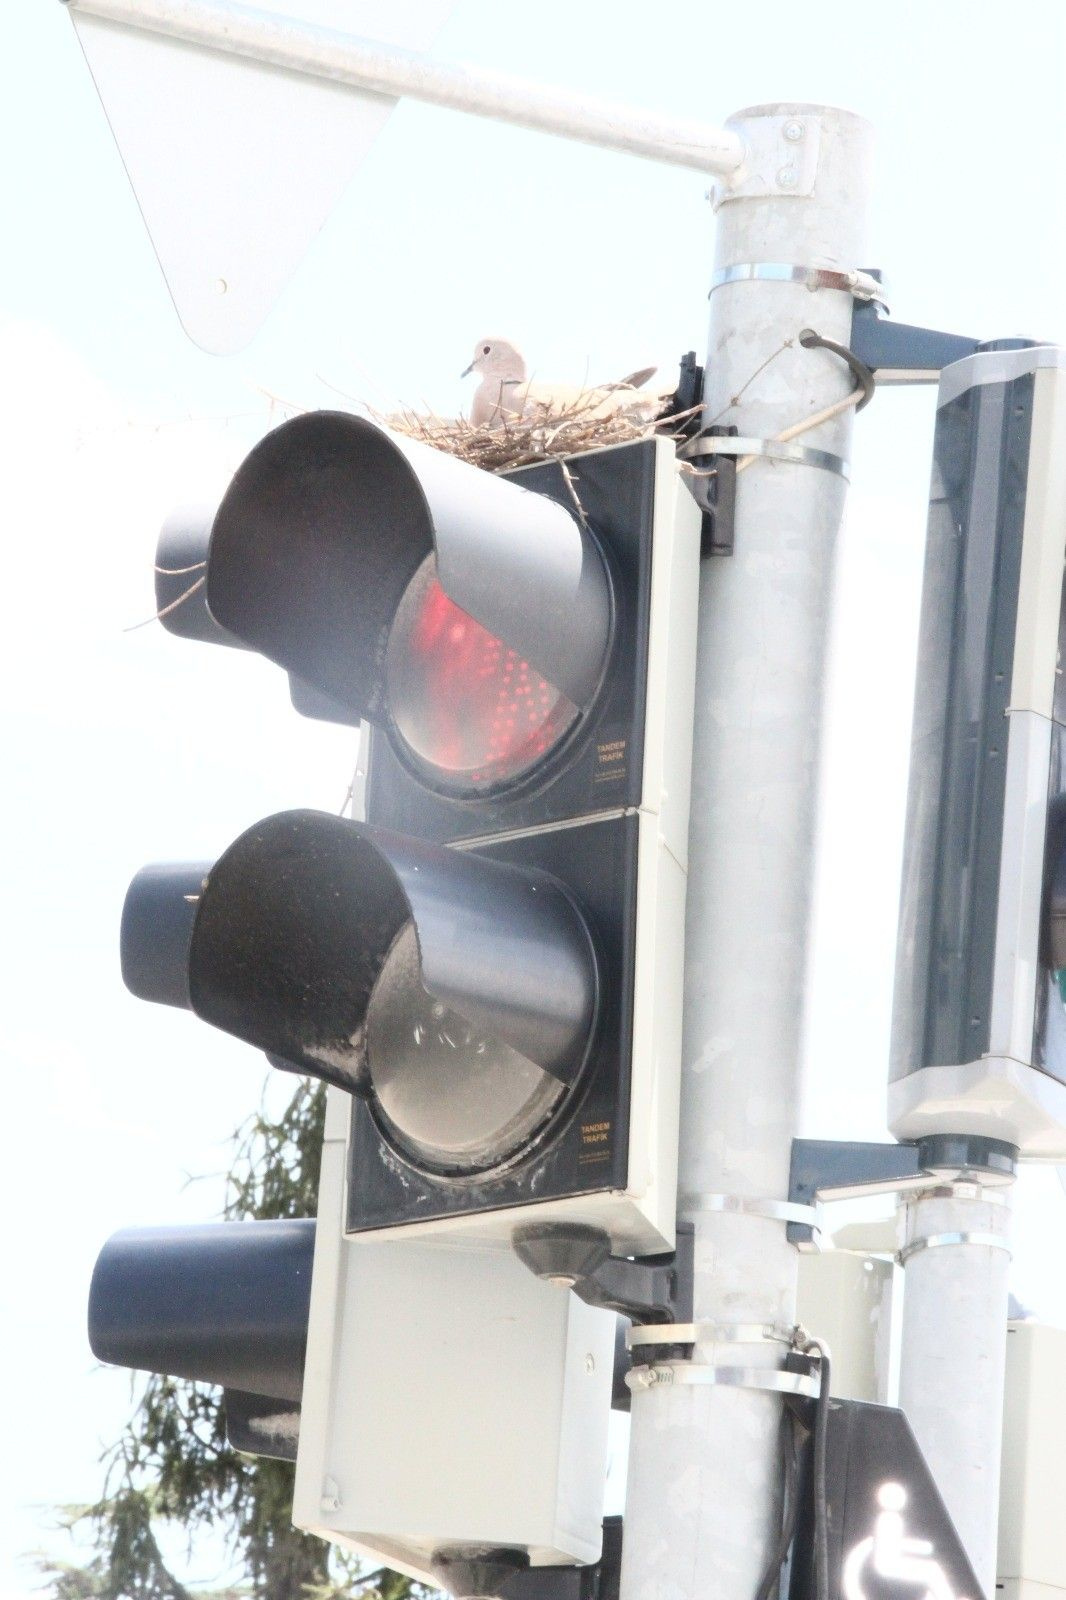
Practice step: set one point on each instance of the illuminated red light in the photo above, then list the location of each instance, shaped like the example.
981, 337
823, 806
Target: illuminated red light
463, 703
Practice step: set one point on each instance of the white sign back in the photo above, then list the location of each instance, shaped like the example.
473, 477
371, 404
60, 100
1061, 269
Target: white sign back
236, 165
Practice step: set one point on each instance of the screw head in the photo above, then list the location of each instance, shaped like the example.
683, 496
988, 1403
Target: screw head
786, 178
590, 1363
793, 131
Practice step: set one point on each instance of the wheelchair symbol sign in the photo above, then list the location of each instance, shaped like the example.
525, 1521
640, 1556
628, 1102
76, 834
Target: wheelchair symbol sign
893, 1556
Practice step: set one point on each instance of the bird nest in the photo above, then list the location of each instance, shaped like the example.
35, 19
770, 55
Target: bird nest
542, 435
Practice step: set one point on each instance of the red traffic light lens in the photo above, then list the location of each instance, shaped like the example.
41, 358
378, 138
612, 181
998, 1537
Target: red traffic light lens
473, 714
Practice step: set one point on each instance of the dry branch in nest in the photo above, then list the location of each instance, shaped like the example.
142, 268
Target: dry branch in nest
543, 434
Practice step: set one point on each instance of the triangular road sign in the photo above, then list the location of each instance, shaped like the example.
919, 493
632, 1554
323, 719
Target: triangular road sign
236, 165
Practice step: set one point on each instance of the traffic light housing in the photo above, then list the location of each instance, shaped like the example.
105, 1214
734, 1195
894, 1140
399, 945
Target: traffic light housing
487, 970
979, 1031
491, 964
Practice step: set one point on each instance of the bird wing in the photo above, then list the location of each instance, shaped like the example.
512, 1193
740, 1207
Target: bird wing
635, 380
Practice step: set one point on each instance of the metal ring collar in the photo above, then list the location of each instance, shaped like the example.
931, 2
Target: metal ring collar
803, 455
667, 1374
859, 284
711, 1332
962, 1189
743, 1205
936, 1241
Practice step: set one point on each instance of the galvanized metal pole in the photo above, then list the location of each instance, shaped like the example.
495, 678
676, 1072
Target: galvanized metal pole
705, 1471
955, 1243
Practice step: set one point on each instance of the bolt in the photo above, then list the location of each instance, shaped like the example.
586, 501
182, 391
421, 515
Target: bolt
786, 178
793, 131
650, 1377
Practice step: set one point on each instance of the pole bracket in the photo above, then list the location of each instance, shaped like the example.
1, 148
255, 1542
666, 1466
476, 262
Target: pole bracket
804, 455
690, 1333
752, 1206
647, 1289
777, 1380
799, 1374
862, 285
840, 1169
936, 1241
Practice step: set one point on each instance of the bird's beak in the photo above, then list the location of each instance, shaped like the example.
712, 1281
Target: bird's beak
467, 371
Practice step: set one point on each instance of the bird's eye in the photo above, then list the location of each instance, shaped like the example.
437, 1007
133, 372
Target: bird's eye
485, 349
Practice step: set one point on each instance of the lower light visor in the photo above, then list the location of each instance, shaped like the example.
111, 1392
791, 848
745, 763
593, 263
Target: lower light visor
457, 994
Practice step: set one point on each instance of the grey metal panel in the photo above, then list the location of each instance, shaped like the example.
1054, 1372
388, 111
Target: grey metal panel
1049, 1011
966, 647
996, 366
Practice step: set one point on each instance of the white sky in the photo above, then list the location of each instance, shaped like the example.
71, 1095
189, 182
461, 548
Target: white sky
123, 748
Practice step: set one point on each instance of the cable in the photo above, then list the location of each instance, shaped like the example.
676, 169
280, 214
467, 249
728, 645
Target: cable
820, 1492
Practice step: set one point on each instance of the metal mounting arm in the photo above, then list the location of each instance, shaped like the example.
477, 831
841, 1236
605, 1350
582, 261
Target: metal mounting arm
841, 1169
578, 1257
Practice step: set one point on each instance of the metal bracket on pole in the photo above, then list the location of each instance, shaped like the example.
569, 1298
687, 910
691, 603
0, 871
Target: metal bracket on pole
937, 1241
899, 352
728, 444
687, 1353
864, 285
831, 1169
576, 1256
597, 1581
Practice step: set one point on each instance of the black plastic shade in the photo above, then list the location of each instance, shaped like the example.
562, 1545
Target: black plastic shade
157, 922
329, 517
297, 918
226, 1303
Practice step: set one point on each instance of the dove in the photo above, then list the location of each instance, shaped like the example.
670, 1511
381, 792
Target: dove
506, 390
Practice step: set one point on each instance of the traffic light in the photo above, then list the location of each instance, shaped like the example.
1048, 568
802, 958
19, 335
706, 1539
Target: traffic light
487, 970
490, 965
979, 1032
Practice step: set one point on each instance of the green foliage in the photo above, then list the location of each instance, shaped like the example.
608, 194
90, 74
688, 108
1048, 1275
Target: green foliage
173, 1466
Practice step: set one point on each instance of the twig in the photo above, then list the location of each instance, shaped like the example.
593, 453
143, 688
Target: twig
761, 368
173, 606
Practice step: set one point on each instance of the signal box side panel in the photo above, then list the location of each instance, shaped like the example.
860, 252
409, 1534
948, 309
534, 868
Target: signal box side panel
415, 1349
979, 1035
1031, 1557
958, 758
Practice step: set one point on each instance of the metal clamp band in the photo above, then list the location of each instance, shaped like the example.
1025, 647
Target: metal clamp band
984, 1193
775, 1210
669, 1374
803, 455
859, 284
936, 1241
710, 1332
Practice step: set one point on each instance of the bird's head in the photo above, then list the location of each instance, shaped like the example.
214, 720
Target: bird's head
498, 358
